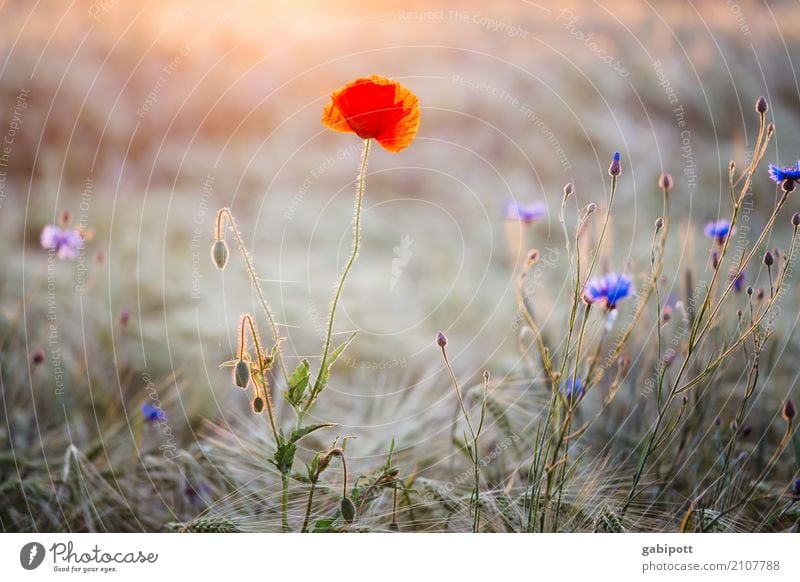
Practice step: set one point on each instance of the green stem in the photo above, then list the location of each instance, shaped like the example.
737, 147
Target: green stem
362, 172
308, 506
284, 502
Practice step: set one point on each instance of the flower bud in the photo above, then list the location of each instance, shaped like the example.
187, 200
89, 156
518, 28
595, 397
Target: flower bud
665, 182
615, 169
659, 223
241, 374
568, 189
761, 105
441, 339
768, 259
219, 253
592, 208
37, 356
749, 290
796, 219
258, 405
348, 510
124, 316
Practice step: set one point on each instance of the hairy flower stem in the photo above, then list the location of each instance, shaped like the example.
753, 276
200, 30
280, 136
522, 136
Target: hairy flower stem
222, 214
362, 173
248, 323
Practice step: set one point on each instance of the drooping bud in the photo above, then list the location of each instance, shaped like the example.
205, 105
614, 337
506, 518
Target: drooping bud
241, 374
219, 253
441, 339
348, 510
615, 169
789, 411
258, 405
761, 105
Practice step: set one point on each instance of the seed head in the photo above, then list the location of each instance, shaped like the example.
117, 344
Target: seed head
761, 105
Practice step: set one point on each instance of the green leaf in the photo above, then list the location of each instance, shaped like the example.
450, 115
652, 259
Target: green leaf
284, 457
306, 430
324, 526
324, 375
298, 382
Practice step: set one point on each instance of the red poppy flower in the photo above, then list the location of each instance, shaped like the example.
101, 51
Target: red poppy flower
375, 107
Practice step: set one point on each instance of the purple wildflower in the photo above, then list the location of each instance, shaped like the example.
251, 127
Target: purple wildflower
718, 230
151, 412
611, 288
526, 213
573, 391
65, 242
737, 279
786, 176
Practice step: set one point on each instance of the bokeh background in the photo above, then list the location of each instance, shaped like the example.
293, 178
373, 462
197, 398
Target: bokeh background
143, 118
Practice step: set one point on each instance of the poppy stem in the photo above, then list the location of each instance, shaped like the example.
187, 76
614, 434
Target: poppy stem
362, 172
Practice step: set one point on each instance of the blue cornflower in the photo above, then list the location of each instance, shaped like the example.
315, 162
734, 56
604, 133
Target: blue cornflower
615, 169
526, 213
611, 288
737, 279
66, 243
786, 176
151, 412
573, 391
718, 230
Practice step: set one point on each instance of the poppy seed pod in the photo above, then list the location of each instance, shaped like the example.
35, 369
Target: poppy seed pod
241, 374
761, 105
219, 254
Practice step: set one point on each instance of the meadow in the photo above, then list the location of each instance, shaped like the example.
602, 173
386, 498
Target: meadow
569, 304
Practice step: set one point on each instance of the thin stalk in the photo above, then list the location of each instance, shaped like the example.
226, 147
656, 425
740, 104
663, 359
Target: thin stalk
362, 172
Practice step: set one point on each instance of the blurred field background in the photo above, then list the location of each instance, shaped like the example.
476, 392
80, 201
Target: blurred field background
143, 118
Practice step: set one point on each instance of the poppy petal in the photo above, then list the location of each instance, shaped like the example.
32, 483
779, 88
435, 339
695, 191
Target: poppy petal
375, 108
